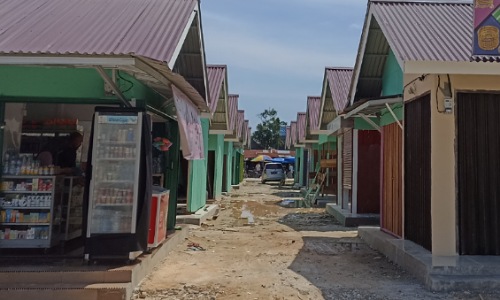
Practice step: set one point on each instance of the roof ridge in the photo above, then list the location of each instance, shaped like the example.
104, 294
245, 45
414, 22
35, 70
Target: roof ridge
339, 68
424, 1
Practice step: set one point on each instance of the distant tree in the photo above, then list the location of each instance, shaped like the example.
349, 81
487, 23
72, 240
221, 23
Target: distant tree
267, 133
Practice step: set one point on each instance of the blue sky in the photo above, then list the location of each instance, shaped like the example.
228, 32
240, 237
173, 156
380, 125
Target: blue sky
276, 50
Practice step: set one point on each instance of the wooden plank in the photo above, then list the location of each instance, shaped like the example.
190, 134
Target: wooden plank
328, 163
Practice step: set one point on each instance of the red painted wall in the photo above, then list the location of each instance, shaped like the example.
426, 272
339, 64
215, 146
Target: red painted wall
368, 171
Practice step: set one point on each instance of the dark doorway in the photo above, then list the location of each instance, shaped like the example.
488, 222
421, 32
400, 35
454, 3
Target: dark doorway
224, 174
417, 166
210, 174
478, 162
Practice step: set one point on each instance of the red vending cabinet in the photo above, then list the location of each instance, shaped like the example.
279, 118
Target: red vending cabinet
158, 220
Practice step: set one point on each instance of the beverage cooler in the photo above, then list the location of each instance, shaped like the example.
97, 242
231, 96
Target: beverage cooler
118, 192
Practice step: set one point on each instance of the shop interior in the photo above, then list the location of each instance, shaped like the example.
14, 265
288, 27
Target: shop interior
41, 203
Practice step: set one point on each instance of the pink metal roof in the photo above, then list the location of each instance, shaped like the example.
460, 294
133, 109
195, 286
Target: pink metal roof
426, 30
233, 111
239, 123
301, 126
149, 28
216, 75
288, 138
293, 132
313, 111
249, 138
339, 81
244, 137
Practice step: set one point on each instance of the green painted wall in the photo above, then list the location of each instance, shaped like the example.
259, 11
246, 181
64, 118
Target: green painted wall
392, 84
296, 166
360, 123
386, 117
216, 143
197, 186
229, 151
392, 78
68, 83
323, 138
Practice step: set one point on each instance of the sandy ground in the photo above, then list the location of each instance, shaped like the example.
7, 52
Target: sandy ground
285, 253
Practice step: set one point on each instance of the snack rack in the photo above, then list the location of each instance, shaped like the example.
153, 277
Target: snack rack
30, 211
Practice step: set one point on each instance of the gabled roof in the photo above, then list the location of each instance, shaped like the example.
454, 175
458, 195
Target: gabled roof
163, 38
216, 74
240, 121
313, 111
334, 97
301, 127
150, 28
288, 138
218, 97
233, 111
244, 136
293, 133
416, 31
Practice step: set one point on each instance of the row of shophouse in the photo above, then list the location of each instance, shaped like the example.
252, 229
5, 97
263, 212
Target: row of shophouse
413, 129
128, 53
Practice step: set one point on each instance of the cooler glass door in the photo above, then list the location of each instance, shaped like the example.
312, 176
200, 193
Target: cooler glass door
115, 164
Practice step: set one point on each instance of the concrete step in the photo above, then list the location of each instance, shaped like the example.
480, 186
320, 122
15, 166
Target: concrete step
465, 269
65, 277
462, 282
110, 291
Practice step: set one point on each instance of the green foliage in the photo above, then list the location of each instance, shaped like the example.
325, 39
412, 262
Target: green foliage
267, 133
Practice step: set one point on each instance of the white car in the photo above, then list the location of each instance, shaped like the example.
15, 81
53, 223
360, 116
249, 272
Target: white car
273, 172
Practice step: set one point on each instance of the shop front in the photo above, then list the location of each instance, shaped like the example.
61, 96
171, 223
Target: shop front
69, 173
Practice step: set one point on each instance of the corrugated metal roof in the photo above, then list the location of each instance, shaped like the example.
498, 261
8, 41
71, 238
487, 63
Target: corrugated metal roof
249, 138
288, 138
415, 31
293, 132
239, 123
339, 81
233, 111
427, 31
215, 77
244, 137
150, 28
313, 111
301, 126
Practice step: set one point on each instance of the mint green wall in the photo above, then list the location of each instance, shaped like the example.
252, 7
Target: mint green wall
392, 78
323, 138
216, 143
229, 151
360, 123
198, 175
67, 83
392, 84
386, 117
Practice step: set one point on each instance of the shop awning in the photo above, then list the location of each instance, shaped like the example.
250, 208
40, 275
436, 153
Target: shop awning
189, 126
371, 108
340, 122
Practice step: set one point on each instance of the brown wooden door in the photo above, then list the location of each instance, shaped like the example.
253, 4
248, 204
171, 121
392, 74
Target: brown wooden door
478, 162
347, 159
392, 179
417, 189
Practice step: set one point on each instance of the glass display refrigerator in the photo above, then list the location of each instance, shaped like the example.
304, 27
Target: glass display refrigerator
118, 192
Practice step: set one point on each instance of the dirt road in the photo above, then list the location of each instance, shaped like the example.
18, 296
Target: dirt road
257, 249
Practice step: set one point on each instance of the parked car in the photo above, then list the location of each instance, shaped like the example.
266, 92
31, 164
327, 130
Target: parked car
273, 172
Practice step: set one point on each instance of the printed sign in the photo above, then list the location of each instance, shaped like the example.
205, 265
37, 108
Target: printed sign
189, 126
117, 119
486, 27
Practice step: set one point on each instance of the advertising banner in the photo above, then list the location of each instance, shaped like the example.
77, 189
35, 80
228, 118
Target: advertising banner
486, 27
189, 126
